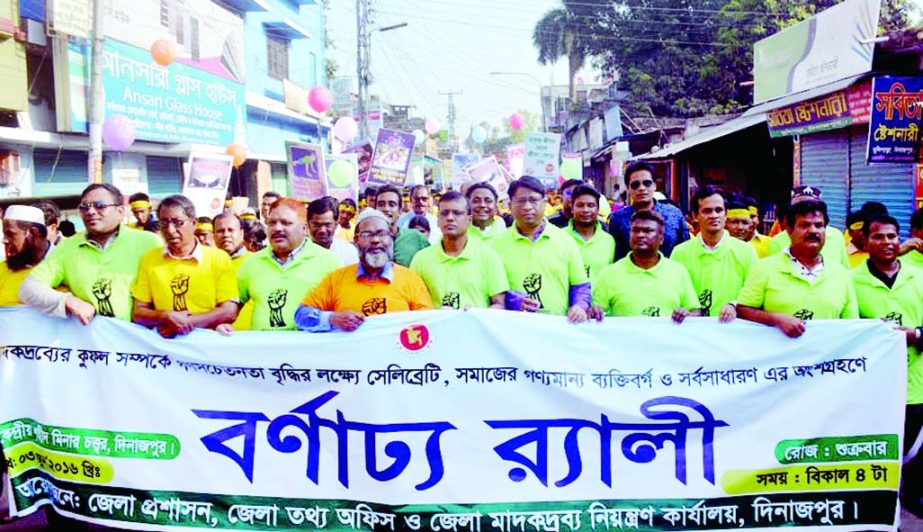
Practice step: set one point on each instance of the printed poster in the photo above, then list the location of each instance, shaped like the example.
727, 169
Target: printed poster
489, 170
515, 155
460, 161
206, 183
306, 170
391, 158
542, 157
364, 151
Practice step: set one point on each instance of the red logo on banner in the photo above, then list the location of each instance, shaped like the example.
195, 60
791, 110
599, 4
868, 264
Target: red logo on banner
414, 337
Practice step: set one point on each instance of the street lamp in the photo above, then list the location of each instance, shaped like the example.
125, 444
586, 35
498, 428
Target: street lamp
363, 55
537, 82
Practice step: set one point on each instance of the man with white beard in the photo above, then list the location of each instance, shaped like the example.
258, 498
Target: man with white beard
376, 285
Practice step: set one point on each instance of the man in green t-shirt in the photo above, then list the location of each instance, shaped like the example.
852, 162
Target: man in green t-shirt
277, 277
99, 266
786, 289
597, 247
407, 242
834, 249
645, 283
460, 272
542, 263
912, 249
717, 263
486, 223
886, 289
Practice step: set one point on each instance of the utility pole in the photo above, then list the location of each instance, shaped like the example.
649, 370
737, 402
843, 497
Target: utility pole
451, 116
363, 50
96, 103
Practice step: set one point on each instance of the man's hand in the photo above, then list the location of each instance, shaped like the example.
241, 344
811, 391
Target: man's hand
166, 331
179, 321
910, 333
224, 329
728, 313
790, 325
576, 314
596, 312
79, 308
679, 315
530, 305
347, 320
912, 244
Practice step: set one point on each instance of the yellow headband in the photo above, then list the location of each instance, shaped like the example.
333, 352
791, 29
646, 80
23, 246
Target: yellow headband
348, 208
753, 210
140, 204
857, 226
228, 202
248, 216
739, 213
205, 226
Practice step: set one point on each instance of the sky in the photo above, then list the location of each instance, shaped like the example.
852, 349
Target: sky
450, 45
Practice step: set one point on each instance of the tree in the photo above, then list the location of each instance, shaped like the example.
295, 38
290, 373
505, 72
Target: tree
567, 32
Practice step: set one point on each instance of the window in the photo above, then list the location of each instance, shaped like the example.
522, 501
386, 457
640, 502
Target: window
277, 57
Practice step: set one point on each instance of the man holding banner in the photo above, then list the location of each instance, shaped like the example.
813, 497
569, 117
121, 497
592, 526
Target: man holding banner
274, 278
888, 289
184, 285
25, 243
374, 286
99, 267
460, 272
540, 259
786, 289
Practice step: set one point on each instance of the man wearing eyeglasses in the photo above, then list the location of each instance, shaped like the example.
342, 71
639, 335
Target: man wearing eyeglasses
543, 264
275, 278
406, 242
184, 285
641, 187
374, 286
322, 225
98, 266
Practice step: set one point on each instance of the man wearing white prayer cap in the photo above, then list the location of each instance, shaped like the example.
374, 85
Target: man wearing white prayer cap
25, 244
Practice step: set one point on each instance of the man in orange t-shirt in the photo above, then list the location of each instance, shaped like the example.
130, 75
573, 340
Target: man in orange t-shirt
376, 285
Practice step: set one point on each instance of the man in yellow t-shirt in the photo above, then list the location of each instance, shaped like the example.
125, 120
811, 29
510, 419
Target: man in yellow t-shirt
25, 242
185, 285
346, 211
856, 247
229, 237
376, 285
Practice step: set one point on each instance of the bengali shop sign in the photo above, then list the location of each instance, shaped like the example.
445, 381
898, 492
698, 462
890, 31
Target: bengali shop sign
897, 120
178, 103
840, 109
456, 420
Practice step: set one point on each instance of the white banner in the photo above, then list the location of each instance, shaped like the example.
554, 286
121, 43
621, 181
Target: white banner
451, 420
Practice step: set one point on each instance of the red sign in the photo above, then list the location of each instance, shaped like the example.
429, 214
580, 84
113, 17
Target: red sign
414, 337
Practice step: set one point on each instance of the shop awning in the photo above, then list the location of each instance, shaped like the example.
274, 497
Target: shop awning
731, 126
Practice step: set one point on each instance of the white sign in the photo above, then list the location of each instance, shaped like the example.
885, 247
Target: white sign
542, 156
206, 182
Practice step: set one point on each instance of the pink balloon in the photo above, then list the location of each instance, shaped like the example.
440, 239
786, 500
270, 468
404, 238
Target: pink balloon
432, 126
517, 121
346, 128
320, 99
118, 132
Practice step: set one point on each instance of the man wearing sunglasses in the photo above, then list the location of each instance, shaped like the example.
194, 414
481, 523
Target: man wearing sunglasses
98, 266
639, 177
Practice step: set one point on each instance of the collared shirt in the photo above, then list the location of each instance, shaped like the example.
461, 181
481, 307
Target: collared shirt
701, 240
496, 227
761, 244
469, 279
597, 252
397, 289
625, 289
87, 241
291, 256
435, 234
345, 251
834, 249
407, 243
100, 275
274, 291
197, 283
717, 273
808, 274
241, 252
675, 230
195, 255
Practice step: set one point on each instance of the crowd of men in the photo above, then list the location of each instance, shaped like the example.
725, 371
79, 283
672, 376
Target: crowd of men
329, 265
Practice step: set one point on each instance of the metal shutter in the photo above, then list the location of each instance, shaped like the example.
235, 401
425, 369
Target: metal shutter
825, 164
59, 172
891, 184
164, 176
